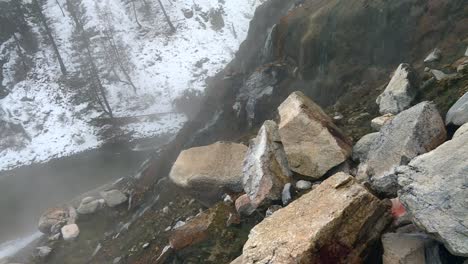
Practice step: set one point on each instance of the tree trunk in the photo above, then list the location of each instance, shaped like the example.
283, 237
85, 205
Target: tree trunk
122, 68
61, 9
43, 20
135, 13
173, 29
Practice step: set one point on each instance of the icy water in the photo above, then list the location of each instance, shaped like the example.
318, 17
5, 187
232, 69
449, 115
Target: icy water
27, 191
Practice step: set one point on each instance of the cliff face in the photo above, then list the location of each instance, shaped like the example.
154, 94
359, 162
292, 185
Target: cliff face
337, 52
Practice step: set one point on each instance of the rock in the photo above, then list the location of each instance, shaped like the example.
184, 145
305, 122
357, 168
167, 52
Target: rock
52, 220
466, 52
146, 245
378, 122
70, 232
334, 223
12, 134
458, 113
362, 147
412, 132
427, 69
201, 227
165, 254
440, 75
460, 131
208, 171
238, 260
286, 194
117, 260
434, 190
266, 168
303, 185
312, 142
400, 92
244, 205
404, 248
433, 56
463, 66
114, 197
272, 209
188, 13
88, 205
44, 252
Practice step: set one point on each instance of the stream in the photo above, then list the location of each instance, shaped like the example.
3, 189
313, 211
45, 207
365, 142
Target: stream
26, 192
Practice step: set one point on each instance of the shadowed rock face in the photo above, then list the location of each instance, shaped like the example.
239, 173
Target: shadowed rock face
312, 142
434, 188
333, 223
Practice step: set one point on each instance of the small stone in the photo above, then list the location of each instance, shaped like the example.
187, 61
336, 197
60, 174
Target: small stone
70, 232
440, 75
114, 197
286, 194
145, 246
44, 252
165, 210
116, 260
427, 69
88, 205
244, 205
378, 122
433, 56
338, 117
228, 199
303, 185
272, 209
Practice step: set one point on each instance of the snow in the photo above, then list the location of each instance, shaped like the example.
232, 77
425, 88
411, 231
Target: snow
163, 65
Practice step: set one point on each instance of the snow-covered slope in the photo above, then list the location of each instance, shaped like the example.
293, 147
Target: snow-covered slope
162, 66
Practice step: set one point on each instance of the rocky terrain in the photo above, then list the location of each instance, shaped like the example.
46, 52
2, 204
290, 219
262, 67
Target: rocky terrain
338, 134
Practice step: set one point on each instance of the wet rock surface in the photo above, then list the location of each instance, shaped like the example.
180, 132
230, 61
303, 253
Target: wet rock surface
312, 141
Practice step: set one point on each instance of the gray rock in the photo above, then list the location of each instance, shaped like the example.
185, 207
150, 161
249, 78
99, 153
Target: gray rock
463, 66
266, 168
412, 132
434, 189
440, 75
466, 52
44, 251
462, 130
286, 194
303, 185
458, 113
313, 143
433, 56
362, 147
114, 197
272, 209
207, 172
400, 92
89, 205
12, 134
404, 248
70, 232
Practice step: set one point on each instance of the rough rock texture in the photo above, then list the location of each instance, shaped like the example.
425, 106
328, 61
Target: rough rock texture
303, 185
114, 197
440, 75
70, 232
400, 92
266, 168
412, 132
433, 56
244, 205
52, 220
209, 171
462, 130
362, 147
334, 223
312, 142
89, 205
12, 134
404, 248
378, 122
434, 188
458, 113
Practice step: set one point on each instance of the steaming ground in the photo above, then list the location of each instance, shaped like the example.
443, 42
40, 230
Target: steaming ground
163, 67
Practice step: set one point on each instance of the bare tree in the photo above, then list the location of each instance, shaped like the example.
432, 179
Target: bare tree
135, 13
60, 6
173, 29
43, 21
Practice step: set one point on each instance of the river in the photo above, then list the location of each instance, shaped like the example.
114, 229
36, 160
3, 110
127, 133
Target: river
27, 191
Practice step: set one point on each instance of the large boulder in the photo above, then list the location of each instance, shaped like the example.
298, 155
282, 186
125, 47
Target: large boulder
266, 169
400, 92
458, 113
461, 130
412, 132
434, 189
333, 223
312, 142
208, 172
362, 147
114, 198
